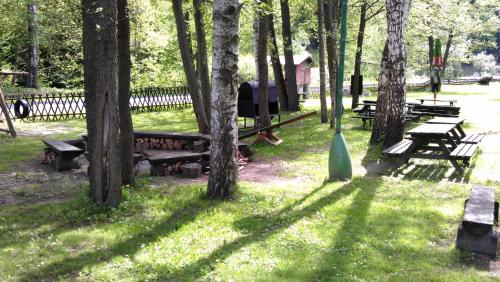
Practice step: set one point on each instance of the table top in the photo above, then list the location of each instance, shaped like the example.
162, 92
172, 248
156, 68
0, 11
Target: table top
448, 120
434, 129
424, 106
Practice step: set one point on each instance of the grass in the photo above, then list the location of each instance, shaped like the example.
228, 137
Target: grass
293, 229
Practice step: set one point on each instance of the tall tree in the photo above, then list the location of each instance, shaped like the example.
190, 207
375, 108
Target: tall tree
124, 64
189, 71
430, 39
368, 11
201, 57
33, 46
389, 116
447, 52
322, 74
275, 61
290, 74
264, 117
101, 100
331, 27
224, 146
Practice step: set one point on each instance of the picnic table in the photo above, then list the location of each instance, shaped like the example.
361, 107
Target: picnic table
366, 111
436, 100
435, 141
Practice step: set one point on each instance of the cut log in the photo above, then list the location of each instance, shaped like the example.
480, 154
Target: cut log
191, 170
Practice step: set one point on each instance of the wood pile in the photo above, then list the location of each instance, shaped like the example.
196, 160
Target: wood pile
166, 169
143, 144
49, 157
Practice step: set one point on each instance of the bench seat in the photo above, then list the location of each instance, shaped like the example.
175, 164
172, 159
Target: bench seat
472, 138
65, 153
399, 149
172, 156
464, 151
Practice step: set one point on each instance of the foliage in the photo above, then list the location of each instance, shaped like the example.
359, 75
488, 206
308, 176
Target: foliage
484, 64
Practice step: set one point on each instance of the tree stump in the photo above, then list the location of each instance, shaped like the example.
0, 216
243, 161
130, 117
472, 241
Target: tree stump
191, 170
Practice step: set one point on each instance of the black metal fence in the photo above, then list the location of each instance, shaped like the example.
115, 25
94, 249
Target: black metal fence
62, 106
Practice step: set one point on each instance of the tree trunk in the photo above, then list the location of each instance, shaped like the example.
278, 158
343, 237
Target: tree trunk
264, 117
322, 74
255, 38
389, 117
290, 74
359, 53
194, 88
124, 64
431, 55
331, 25
101, 100
201, 57
277, 68
224, 145
33, 46
446, 53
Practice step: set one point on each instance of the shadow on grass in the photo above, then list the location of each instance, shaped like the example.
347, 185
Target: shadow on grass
260, 228
175, 221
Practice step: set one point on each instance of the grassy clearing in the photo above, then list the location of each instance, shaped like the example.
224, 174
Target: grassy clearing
371, 228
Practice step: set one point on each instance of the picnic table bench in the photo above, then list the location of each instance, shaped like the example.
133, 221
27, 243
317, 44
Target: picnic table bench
366, 112
434, 141
65, 154
435, 110
476, 232
458, 133
451, 102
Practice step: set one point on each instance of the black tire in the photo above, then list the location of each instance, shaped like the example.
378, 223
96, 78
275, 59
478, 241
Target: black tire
26, 109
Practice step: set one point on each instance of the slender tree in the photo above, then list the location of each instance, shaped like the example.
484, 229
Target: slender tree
322, 73
389, 116
201, 57
275, 60
368, 11
447, 52
290, 74
33, 46
101, 100
124, 64
189, 71
331, 27
224, 146
431, 54
264, 117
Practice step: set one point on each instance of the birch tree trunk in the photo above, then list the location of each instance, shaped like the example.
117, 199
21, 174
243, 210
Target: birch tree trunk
359, 53
275, 60
224, 146
201, 57
264, 117
33, 46
124, 64
322, 74
290, 74
389, 117
101, 100
255, 38
192, 80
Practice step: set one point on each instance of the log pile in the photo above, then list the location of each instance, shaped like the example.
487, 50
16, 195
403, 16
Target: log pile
166, 169
49, 157
143, 144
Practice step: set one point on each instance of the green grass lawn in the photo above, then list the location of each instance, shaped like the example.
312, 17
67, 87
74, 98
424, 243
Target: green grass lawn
294, 227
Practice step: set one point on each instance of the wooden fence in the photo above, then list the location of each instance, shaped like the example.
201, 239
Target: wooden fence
63, 106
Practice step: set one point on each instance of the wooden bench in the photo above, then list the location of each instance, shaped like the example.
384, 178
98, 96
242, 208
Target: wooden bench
398, 149
65, 154
159, 160
472, 138
464, 151
476, 232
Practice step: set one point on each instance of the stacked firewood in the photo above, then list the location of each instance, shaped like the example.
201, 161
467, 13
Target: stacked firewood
142, 144
49, 157
168, 169
242, 160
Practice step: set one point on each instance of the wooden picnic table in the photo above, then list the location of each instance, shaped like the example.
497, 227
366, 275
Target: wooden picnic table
435, 100
434, 141
458, 133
